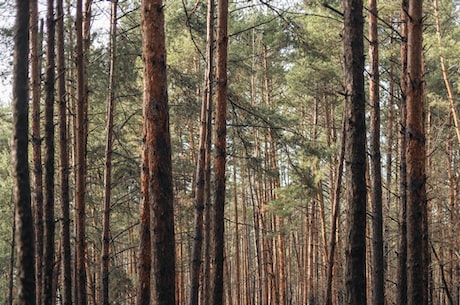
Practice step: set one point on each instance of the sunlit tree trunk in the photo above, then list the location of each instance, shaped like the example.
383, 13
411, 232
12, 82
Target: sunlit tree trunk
158, 146
25, 276
220, 144
355, 152
417, 273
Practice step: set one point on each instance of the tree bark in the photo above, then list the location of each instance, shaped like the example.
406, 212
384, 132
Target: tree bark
220, 155
37, 172
158, 146
378, 284
80, 170
402, 239
105, 253
145, 246
200, 187
48, 211
64, 160
417, 274
335, 216
25, 276
355, 152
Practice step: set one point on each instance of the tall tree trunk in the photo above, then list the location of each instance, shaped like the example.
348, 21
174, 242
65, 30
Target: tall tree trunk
25, 276
200, 187
335, 216
37, 172
158, 148
48, 211
417, 274
355, 152
237, 264
145, 246
80, 160
64, 160
105, 253
402, 239
220, 155
378, 284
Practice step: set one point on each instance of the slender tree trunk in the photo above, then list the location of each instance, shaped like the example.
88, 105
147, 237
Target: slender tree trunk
37, 198
12, 259
378, 284
145, 256
48, 211
220, 155
355, 152
80, 170
443, 277
200, 188
335, 216
25, 277
402, 240
64, 160
105, 253
417, 273
158, 147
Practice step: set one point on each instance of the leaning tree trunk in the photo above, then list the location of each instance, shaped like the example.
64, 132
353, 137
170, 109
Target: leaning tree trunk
417, 274
25, 276
158, 146
355, 152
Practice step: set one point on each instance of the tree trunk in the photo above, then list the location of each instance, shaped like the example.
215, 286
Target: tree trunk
145, 256
402, 239
158, 147
200, 188
355, 152
80, 170
417, 274
12, 259
220, 156
335, 216
105, 253
445, 75
378, 284
25, 277
64, 160
37, 186
48, 211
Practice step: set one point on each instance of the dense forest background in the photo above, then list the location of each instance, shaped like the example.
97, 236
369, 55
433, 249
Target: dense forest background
285, 190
